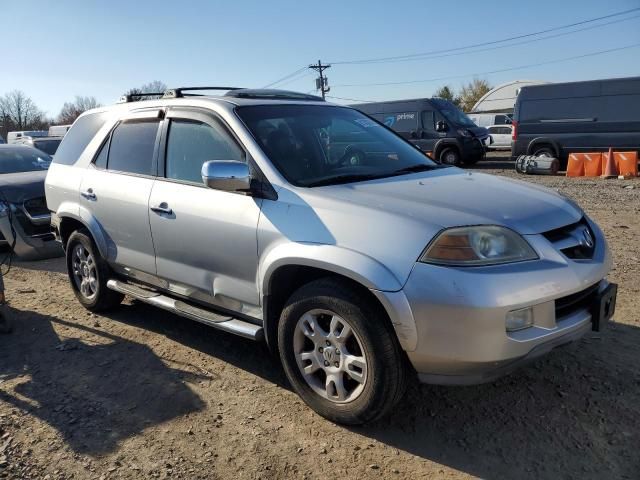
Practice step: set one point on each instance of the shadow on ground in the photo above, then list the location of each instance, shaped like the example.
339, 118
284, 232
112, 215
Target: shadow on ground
573, 414
105, 388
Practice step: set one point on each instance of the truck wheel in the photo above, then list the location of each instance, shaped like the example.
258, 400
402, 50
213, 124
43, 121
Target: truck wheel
450, 156
543, 149
340, 354
88, 273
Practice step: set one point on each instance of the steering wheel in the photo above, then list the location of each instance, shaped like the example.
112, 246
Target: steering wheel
351, 157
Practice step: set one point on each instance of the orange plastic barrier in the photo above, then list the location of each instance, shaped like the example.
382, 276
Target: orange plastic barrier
627, 163
592, 164
575, 165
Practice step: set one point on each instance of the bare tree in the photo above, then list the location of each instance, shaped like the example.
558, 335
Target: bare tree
72, 110
447, 93
19, 112
155, 86
152, 87
472, 92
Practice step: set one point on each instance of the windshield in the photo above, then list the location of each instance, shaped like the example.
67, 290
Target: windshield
47, 146
25, 159
453, 114
315, 145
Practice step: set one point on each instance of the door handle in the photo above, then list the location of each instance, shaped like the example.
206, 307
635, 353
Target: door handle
89, 195
162, 208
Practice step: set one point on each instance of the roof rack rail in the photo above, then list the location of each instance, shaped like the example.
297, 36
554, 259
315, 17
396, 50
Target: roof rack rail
179, 92
272, 94
129, 97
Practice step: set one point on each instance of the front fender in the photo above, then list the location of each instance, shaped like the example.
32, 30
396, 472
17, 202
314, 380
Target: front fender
351, 264
357, 266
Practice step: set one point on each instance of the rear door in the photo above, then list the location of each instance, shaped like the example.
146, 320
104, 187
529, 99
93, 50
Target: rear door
116, 187
205, 239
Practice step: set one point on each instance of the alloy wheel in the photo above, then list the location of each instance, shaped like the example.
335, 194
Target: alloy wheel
84, 272
330, 356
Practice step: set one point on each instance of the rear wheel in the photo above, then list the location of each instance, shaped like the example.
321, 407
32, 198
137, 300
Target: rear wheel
450, 156
340, 354
88, 273
540, 150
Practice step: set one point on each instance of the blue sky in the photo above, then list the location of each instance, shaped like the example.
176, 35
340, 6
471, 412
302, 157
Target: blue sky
68, 48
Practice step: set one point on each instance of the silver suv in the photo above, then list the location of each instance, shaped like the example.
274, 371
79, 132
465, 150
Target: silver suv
358, 259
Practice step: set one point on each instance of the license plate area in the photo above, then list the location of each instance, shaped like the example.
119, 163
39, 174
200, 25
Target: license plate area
604, 307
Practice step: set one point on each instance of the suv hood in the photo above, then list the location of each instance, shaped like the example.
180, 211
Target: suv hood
452, 197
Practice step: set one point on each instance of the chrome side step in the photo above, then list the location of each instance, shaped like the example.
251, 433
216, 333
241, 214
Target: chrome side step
179, 307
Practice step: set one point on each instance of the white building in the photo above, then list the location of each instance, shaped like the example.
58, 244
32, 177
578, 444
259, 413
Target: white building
502, 98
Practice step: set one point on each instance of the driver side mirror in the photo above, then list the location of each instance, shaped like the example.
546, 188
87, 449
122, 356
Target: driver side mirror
441, 126
227, 175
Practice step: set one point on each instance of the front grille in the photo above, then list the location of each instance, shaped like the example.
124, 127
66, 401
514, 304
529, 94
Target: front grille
31, 229
36, 206
576, 241
576, 301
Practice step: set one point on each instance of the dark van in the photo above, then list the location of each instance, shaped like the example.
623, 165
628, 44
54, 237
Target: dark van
434, 125
563, 118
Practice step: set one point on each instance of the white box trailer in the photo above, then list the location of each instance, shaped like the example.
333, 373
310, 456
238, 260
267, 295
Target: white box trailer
58, 130
14, 137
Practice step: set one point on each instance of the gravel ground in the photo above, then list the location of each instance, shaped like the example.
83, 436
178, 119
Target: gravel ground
141, 393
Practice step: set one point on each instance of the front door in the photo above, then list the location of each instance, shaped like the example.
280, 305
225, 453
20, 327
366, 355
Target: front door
115, 190
205, 239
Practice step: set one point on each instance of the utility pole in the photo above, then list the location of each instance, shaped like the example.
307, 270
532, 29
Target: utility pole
322, 82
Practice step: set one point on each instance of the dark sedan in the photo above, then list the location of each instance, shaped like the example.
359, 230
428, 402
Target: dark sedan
25, 221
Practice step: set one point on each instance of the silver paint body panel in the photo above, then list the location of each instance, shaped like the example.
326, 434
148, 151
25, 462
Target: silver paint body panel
222, 248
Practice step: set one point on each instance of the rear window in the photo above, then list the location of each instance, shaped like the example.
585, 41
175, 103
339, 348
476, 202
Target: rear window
78, 137
47, 146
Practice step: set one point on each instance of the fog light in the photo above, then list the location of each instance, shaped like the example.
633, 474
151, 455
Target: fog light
519, 319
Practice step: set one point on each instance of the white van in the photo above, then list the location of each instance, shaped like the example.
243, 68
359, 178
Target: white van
15, 137
58, 130
488, 119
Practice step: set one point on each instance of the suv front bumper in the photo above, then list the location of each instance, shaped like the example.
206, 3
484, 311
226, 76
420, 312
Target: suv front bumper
459, 313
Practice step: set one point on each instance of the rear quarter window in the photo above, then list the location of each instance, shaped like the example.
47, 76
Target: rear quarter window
78, 137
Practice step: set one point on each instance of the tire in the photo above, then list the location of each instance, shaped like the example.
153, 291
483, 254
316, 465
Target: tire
370, 352
88, 273
450, 156
543, 149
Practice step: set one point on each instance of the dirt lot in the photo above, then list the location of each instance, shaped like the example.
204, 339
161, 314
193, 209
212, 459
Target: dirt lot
141, 393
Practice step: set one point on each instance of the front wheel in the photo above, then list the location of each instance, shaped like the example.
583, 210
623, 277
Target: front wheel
450, 156
339, 353
89, 273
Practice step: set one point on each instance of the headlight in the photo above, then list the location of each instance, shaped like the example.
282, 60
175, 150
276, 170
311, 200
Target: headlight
464, 132
3, 209
479, 245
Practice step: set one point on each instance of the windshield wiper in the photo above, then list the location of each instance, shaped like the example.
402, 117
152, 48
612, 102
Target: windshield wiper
420, 167
346, 178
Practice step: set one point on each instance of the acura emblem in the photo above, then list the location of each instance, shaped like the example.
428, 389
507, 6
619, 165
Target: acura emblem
587, 239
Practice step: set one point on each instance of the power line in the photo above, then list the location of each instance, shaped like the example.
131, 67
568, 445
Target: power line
350, 99
286, 77
498, 47
494, 42
520, 67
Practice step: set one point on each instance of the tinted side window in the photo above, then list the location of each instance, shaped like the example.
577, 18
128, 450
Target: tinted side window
132, 146
428, 120
402, 121
78, 137
191, 143
101, 159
